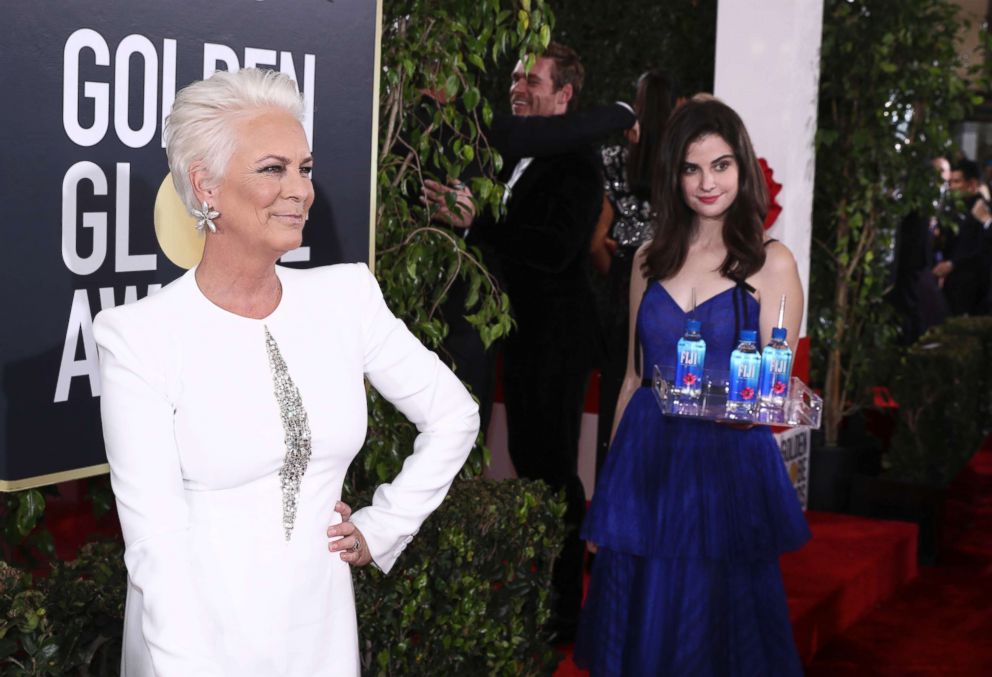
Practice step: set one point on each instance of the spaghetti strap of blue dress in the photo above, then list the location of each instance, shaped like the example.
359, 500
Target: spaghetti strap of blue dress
690, 518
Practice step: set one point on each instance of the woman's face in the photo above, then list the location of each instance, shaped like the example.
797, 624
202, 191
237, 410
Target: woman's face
709, 176
265, 194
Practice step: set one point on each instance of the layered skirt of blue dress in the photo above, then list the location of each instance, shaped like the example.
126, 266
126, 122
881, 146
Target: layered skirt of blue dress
690, 518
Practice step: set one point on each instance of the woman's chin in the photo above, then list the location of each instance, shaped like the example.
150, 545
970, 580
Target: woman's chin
290, 241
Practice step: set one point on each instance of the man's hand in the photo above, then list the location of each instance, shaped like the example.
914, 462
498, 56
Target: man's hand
943, 269
633, 134
980, 210
463, 211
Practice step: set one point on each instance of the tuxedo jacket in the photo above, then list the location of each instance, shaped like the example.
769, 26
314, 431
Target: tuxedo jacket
539, 249
966, 285
560, 139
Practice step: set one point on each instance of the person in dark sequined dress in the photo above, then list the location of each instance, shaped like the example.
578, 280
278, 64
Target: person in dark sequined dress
624, 225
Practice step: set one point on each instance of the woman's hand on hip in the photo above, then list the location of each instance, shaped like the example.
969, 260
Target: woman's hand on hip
347, 539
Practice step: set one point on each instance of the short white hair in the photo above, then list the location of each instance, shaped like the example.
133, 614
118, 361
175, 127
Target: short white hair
200, 127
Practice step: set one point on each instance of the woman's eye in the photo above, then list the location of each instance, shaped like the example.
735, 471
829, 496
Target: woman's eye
689, 169
306, 171
723, 166
273, 169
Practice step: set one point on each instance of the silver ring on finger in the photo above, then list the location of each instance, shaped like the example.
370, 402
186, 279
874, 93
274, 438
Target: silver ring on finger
358, 545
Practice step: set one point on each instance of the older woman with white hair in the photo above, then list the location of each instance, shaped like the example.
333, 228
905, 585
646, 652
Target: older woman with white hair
234, 402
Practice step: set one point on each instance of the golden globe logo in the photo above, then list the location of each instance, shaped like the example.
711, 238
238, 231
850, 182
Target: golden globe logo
175, 227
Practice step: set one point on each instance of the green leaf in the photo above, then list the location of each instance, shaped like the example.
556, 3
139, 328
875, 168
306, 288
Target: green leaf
451, 85
523, 20
545, 35
477, 61
30, 508
471, 98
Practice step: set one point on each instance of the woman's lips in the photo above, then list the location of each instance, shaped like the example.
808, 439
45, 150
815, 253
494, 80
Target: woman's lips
708, 199
292, 219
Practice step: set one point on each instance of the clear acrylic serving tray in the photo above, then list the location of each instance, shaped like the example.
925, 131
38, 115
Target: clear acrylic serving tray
802, 406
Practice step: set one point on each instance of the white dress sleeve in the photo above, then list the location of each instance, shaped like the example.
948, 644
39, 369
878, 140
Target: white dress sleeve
414, 380
147, 480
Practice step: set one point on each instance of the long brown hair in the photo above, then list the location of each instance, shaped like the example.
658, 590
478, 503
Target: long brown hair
654, 104
743, 230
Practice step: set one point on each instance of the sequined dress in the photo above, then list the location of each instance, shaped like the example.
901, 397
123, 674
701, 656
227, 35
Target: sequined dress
632, 227
690, 518
632, 224
228, 440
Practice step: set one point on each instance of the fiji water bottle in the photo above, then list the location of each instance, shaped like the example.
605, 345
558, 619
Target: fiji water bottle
745, 363
776, 364
689, 367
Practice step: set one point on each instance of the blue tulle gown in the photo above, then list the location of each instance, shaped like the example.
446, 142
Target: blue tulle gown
690, 518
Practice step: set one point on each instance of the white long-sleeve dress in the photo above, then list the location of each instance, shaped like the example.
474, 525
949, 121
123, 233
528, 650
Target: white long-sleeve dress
228, 567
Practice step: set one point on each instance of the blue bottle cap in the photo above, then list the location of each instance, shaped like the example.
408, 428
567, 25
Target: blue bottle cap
693, 325
778, 333
749, 335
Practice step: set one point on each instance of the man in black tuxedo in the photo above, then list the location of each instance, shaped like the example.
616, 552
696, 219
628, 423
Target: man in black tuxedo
964, 266
539, 249
514, 136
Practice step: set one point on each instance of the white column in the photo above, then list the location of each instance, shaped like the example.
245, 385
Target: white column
768, 70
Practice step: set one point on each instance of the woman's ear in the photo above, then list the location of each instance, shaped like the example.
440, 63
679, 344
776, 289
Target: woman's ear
203, 187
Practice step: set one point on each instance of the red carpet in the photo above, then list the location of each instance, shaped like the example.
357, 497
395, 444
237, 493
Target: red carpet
849, 566
941, 623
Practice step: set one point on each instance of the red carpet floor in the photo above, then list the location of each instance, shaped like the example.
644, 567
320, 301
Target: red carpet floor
941, 623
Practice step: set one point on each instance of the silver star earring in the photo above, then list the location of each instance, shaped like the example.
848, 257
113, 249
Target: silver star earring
206, 216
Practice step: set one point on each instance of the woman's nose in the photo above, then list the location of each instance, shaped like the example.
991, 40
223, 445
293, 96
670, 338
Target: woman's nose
706, 180
297, 186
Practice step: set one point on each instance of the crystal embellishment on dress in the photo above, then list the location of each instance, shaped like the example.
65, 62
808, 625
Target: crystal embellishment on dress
297, 428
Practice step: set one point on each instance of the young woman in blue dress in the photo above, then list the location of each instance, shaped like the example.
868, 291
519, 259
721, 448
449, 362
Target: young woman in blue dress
691, 516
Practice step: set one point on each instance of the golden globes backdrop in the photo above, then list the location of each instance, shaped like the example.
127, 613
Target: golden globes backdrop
89, 216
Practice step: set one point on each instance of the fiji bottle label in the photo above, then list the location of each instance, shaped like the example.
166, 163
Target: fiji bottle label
689, 371
774, 377
744, 379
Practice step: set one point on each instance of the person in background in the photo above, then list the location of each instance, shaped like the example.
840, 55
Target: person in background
691, 516
539, 252
624, 225
514, 136
234, 401
915, 295
962, 269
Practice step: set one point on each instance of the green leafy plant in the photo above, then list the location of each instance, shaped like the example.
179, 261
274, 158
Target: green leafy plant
470, 595
68, 621
22, 538
942, 387
891, 85
432, 113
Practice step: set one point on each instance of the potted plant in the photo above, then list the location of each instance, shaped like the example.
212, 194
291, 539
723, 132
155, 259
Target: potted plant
892, 84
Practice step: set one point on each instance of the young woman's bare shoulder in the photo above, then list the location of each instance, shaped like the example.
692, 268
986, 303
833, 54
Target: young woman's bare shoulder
778, 259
